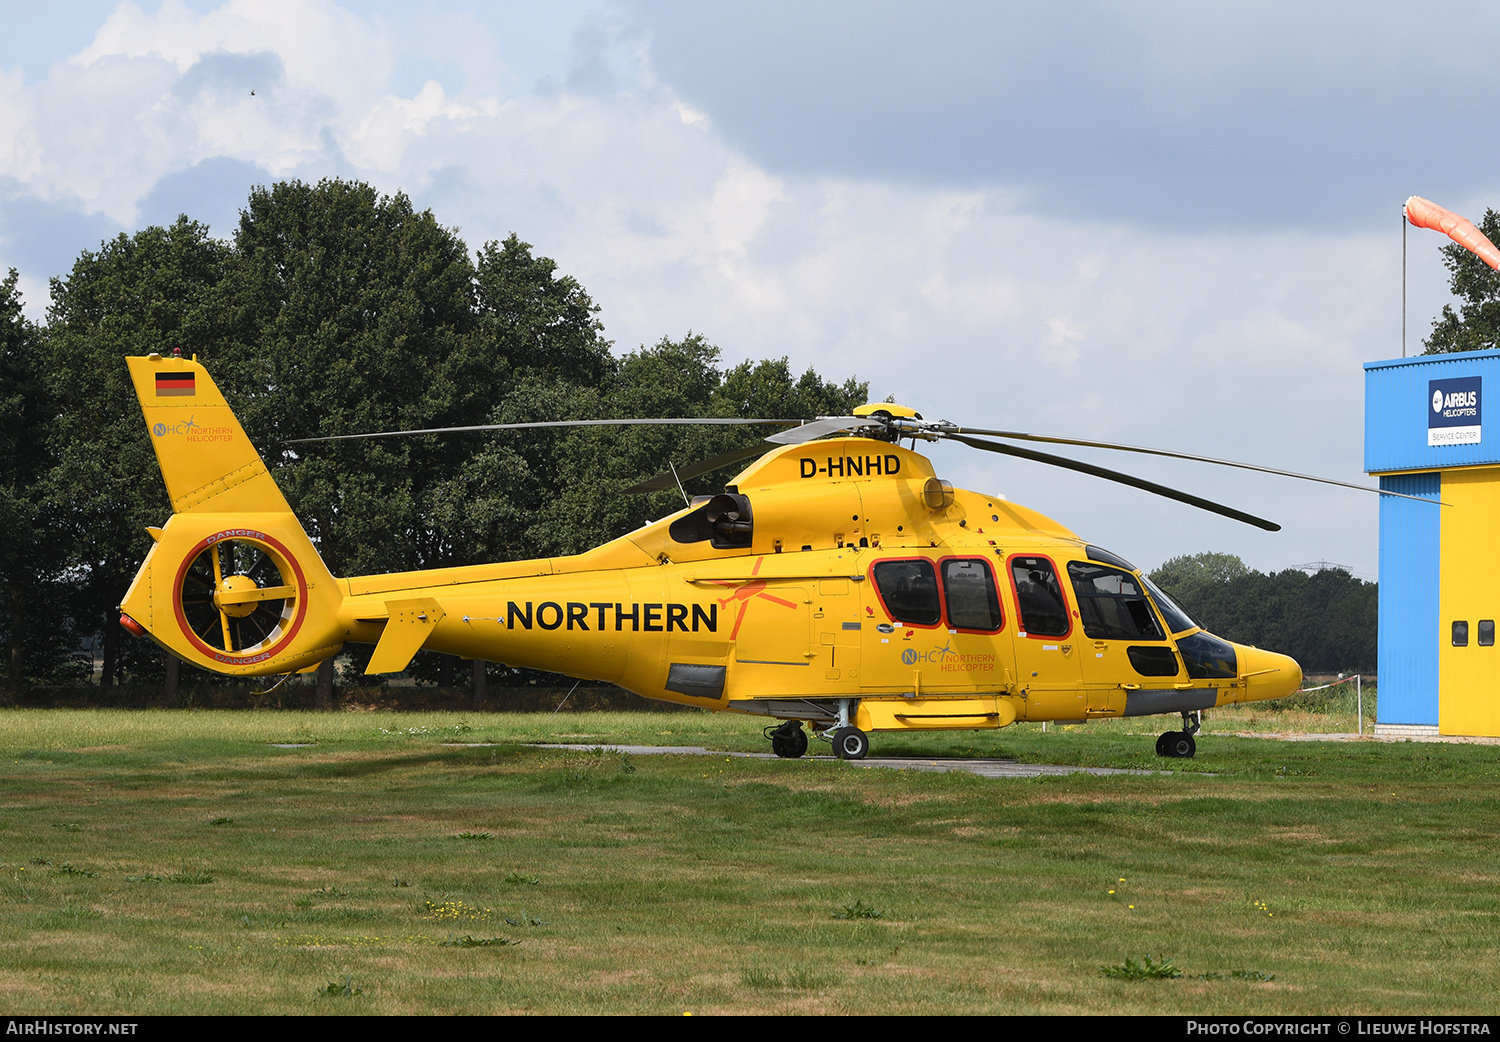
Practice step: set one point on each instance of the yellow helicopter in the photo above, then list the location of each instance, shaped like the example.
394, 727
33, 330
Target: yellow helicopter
837, 582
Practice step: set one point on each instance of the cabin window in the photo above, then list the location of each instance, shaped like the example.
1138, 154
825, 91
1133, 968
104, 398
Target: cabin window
1039, 598
1112, 604
1486, 633
970, 595
1460, 633
909, 590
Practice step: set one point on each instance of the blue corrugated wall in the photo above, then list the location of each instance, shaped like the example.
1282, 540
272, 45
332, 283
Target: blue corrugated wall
1410, 548
1397, 401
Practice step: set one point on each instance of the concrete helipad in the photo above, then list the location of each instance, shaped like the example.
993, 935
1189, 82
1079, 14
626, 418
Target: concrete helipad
1315, 736
983, 768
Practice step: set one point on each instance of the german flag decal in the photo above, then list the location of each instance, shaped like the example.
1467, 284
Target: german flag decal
170, 385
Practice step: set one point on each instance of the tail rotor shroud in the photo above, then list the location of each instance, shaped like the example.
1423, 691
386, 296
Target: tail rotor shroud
239, 596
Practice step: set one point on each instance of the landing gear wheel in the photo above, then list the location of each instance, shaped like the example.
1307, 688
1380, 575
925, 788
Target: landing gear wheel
789, 741
850, 743
1177, 745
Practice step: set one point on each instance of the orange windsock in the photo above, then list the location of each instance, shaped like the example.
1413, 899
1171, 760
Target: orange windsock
1426, 214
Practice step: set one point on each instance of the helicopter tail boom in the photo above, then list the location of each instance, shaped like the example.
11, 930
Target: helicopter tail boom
233, 583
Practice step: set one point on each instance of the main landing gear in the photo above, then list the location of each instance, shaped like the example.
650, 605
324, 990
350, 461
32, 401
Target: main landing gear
1179, 745
850, 743
788, 741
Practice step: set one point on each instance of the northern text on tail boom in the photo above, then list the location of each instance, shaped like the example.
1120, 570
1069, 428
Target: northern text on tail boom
836, 582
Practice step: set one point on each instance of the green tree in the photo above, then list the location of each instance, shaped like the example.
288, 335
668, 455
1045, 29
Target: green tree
160, 289
348, 306
563, 488
33, 613
1476, 327
1326, 621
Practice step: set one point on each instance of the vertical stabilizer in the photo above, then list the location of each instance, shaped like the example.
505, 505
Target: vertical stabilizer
233, 583
206, 460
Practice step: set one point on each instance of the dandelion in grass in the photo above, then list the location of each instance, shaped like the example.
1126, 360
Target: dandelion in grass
453, 911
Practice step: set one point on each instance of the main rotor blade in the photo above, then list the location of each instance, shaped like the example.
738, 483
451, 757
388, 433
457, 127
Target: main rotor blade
808, 431
815, 429
1124, 479
1019, 436
549, 423
724, 459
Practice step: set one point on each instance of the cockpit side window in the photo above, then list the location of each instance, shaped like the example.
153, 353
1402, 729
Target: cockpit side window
1039, 597
1112, 603
909, 590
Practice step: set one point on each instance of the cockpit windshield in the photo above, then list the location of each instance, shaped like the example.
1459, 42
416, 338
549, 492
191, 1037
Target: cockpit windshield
1177, 619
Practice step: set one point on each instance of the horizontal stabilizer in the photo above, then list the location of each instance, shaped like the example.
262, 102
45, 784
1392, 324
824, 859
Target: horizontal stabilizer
411, 622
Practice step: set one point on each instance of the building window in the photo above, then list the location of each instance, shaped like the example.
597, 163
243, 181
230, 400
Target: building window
1486, 633
1460, 633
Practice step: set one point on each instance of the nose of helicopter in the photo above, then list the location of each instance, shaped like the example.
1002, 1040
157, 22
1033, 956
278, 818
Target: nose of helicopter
1267, 674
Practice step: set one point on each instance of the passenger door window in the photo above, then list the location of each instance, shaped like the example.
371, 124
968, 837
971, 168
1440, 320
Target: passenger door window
1039, 597
970, 595
909, 590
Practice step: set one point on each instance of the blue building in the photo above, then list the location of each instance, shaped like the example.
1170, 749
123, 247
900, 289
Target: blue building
1439, 565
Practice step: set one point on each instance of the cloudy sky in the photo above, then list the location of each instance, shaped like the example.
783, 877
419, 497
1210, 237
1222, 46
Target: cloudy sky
1166, 224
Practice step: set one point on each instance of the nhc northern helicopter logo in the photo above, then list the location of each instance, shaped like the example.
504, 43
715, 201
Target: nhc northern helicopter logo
911, 656
193, 430
949, 661
187, 426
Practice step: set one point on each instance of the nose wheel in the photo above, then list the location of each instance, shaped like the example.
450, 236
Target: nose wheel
1179, 745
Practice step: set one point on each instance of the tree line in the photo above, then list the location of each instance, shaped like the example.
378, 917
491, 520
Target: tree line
334, 309
1325, 620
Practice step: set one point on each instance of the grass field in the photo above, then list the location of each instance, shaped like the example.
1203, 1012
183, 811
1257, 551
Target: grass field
182, 862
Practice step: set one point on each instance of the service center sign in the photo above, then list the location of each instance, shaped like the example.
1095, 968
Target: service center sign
1453, 411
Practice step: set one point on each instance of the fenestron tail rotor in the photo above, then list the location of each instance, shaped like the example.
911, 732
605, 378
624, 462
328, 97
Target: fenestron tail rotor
237, 597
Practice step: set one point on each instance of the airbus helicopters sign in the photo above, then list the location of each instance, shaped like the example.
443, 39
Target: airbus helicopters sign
1453, 411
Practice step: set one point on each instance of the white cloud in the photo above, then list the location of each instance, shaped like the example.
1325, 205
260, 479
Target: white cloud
323, 47
959, 302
